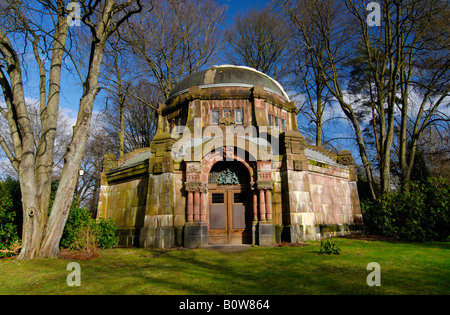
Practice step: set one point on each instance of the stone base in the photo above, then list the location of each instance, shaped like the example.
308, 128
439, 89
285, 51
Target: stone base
331, 230
266, 233
296, 233
128, 237
292, 233
159, 237
195, 235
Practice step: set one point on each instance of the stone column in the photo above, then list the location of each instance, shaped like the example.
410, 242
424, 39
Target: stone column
196, 228
196, 206
268, 204
266, 228
255, 205
190, 206
262, 205
203, 206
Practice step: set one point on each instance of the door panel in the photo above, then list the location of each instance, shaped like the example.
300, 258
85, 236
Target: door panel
218, 217
228, 217
238, 216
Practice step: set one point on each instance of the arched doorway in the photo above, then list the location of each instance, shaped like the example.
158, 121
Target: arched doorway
230, 204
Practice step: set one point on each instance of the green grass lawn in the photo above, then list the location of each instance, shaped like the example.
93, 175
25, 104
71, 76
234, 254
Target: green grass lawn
406, 268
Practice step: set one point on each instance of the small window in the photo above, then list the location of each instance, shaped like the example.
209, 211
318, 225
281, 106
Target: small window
283, 125
270, 120
239, 197
217, 198
277, 124
214, 117
225, 111
238, 116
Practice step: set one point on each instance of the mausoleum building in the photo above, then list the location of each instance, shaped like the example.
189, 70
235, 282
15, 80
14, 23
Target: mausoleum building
228, 165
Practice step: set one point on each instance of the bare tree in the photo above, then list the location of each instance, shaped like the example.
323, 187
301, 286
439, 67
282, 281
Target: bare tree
137, 121
435, 144
260, 39
306, 78
116, 75
328, 22
62, 138
46, 25
99, 143
404, 57
398, 59
175, 40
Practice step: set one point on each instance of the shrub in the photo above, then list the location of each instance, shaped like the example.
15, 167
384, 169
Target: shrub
8, 229
78, 219
82, 232
329, 247
107, 233
420, 213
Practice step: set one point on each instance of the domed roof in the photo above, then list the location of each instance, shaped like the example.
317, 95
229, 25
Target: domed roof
229, 75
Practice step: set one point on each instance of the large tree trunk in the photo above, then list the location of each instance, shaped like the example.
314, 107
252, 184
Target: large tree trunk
64, 194
42, 229
75, 151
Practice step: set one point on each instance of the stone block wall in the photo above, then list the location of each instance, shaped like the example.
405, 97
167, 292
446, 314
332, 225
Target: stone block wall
165, 211
125, 203
321, 201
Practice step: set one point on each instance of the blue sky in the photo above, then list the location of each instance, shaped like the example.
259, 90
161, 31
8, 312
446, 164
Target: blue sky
242, 6
72, 90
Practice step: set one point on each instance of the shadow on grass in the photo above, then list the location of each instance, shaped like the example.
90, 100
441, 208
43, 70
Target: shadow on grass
205, 273
406, 268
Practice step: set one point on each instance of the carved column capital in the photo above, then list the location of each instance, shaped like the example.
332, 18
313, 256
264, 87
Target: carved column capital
196, 187
264, 185
345, 158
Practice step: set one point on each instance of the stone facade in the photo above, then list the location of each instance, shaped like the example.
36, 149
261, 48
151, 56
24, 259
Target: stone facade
229, 166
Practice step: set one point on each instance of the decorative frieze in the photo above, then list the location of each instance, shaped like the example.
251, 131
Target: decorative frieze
298, 165
345, 158
263, 185
196, 187
292, 143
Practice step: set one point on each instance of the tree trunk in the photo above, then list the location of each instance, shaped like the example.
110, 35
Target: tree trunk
72, 160
319, 134
122, 129
42, 230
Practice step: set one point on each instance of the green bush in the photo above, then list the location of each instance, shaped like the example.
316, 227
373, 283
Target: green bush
82, 232
107, 233
420, 213
78, 219
10, 217
329, 247
8, 229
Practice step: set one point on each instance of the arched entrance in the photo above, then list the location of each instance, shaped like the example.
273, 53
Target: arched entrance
230, 204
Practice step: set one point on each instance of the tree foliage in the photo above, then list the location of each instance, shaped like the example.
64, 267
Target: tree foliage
10, 215
82, 232
44, 27
420, 213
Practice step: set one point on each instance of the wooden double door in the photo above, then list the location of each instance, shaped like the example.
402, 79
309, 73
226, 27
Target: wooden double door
229, 216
